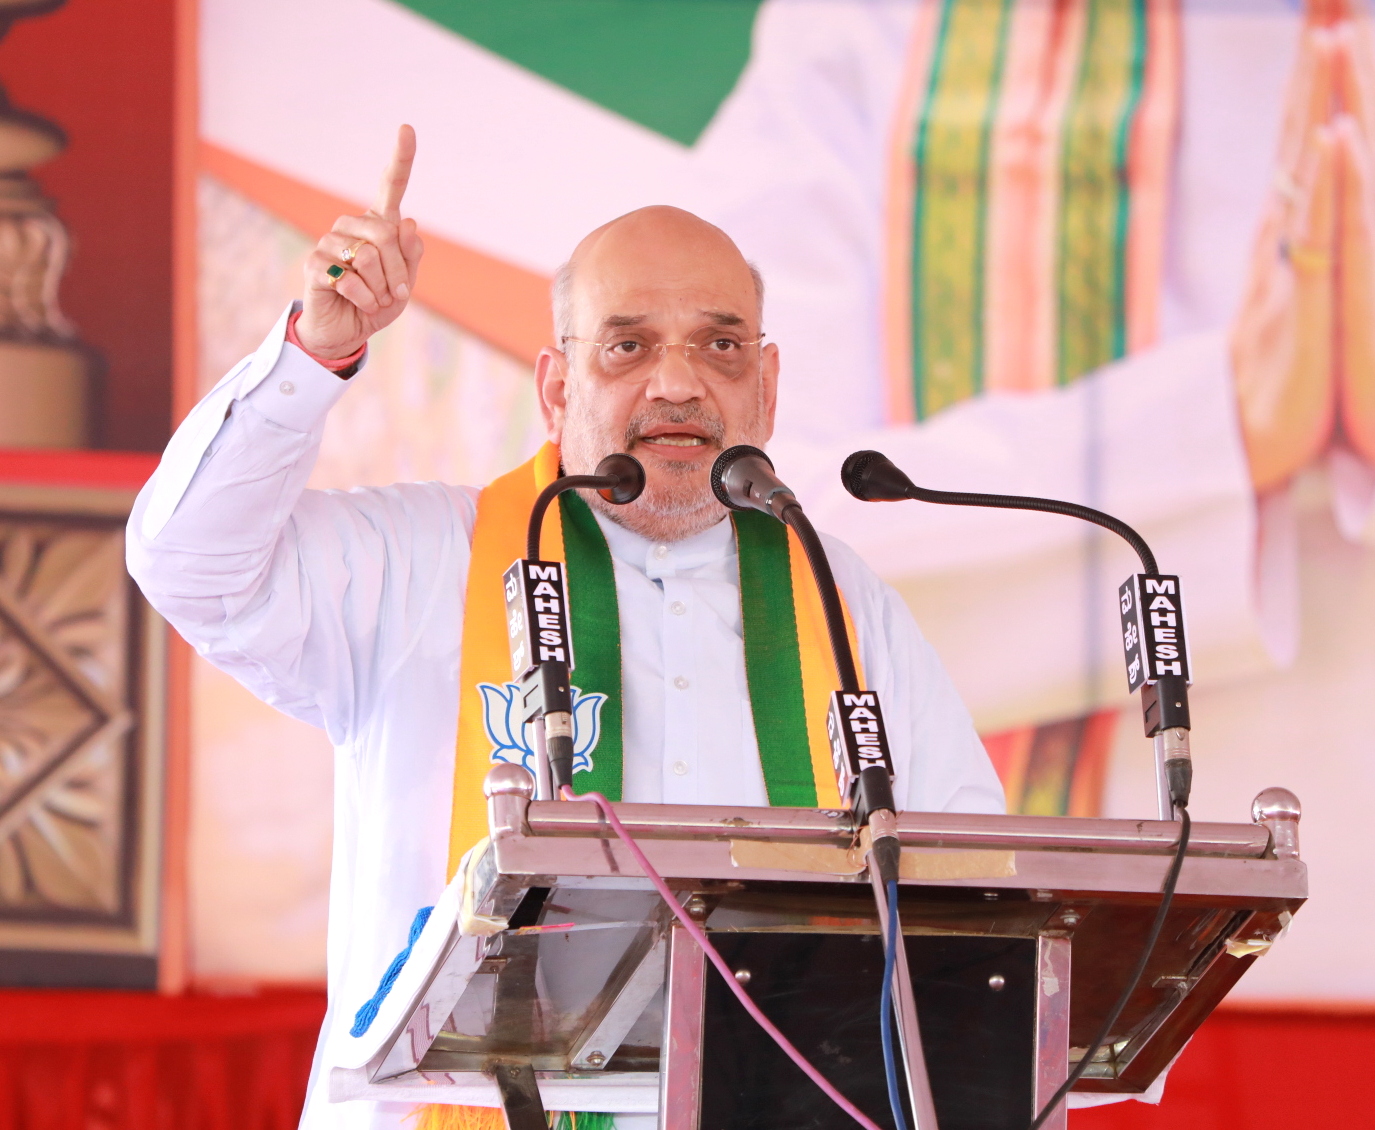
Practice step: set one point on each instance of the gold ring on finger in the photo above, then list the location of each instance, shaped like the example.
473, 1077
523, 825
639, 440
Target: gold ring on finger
350, 253
335, 273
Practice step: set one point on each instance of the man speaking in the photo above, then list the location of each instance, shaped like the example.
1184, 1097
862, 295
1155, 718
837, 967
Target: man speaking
365, 612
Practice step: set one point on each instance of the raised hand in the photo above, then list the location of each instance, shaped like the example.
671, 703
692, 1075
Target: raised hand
362, 272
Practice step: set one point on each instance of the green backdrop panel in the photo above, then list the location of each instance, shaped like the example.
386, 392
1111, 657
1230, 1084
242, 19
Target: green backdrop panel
667, 64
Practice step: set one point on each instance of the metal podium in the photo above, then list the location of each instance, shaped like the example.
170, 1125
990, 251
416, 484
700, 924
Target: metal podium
552, 972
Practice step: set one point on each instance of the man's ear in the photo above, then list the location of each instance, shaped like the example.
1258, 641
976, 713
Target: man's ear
551, 388
768, 377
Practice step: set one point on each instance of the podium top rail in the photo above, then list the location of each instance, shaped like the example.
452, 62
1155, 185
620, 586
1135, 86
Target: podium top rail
915, 829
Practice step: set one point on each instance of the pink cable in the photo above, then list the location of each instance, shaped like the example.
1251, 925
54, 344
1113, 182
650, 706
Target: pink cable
699, 936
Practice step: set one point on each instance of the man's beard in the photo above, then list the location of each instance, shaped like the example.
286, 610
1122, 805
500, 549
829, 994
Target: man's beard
677, 502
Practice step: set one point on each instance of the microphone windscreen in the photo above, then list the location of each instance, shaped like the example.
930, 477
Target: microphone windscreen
724, 462
872, 477
629, 471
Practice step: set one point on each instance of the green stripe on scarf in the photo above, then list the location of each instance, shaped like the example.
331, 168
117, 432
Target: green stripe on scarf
773, 664
596, 628
773, 667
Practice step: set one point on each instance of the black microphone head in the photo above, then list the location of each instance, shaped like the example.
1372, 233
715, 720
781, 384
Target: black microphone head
872, 477
723, 463
629, 471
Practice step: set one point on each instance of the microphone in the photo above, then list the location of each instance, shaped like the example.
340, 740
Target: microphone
538, 624
1151, 610
872, 477
742, 478
1154, 649
627, 475
619, 478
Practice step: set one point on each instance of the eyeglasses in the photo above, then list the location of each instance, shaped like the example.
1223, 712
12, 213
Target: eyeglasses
719, 352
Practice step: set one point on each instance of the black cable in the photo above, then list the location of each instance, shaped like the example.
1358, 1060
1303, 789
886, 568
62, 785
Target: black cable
1166, 898
886, 1006
830, 596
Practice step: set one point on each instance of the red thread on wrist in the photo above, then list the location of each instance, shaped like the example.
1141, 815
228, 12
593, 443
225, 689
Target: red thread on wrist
333, 364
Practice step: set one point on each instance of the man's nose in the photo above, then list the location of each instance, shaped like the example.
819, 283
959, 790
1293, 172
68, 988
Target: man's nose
674, 378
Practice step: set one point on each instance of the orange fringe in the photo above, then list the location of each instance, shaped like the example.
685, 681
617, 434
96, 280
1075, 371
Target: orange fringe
438, 1116
443, 1117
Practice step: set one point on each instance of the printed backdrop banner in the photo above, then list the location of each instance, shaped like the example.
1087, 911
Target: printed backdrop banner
1004, 241
796, 126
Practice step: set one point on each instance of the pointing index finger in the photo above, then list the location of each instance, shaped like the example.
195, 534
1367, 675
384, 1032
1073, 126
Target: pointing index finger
397, 176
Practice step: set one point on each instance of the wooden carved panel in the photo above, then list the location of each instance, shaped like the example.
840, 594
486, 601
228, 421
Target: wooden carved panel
79, 763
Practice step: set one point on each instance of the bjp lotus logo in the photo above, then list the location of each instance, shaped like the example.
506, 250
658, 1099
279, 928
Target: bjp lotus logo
514, 742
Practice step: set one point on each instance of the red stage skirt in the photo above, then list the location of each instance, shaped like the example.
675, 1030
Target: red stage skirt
135, 1061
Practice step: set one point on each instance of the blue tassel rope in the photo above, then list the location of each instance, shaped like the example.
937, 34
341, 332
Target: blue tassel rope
363, 1018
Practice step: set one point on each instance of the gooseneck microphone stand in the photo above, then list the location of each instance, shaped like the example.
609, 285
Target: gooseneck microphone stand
619, 478
742, 478
537, 618
1157, 663
872, 477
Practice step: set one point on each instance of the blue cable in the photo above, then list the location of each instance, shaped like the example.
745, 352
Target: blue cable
890, 1062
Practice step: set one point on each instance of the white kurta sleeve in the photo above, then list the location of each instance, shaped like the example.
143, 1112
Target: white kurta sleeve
300, 595
938, 759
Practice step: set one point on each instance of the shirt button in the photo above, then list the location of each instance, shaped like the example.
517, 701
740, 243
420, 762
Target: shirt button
677, 608
681, 683
286, 388
661, 551
680, 767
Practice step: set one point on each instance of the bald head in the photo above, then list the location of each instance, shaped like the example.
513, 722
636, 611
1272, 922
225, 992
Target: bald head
659, 355
673, 243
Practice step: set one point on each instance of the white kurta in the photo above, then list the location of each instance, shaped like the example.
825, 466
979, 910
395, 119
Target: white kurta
346, 610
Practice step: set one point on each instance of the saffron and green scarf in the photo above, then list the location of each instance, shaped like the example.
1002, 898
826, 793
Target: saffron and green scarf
788, 661
788, 667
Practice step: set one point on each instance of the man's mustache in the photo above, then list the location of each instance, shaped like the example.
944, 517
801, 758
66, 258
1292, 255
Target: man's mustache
639, 425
